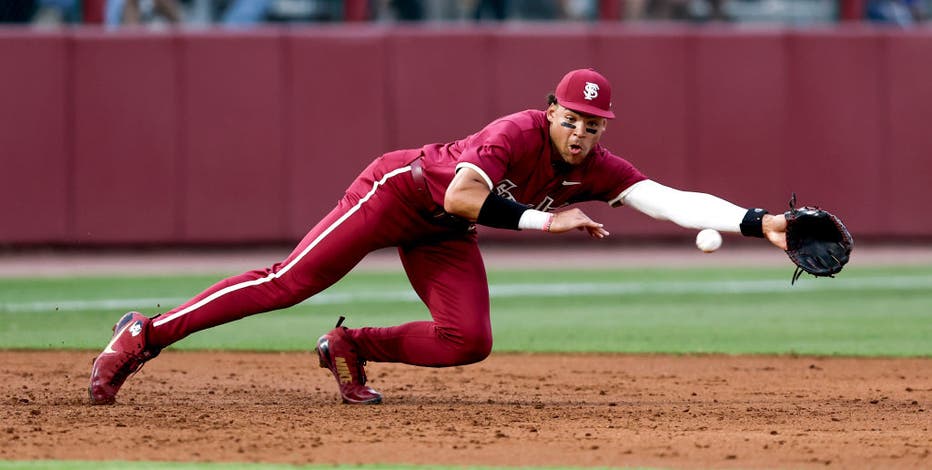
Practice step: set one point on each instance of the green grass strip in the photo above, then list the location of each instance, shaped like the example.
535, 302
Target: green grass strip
864, 312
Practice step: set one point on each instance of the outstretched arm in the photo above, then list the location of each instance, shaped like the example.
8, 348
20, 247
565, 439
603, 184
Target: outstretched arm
470, 197
701, 211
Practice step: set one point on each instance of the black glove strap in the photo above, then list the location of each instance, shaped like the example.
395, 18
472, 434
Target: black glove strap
499, 212
753, 223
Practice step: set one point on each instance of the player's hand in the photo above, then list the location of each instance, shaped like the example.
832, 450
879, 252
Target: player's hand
576, 219
774, 227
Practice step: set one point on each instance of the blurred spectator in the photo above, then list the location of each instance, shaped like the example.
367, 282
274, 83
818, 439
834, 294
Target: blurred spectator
246, 12
716, 11
667, 9
581, 10
536, 10
254, 12
132, 12
17, 11
296, 11
902, 13
57, 12
408, 10
490, 10
683, 10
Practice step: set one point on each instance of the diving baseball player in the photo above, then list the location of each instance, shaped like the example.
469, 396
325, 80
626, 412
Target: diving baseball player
519, 172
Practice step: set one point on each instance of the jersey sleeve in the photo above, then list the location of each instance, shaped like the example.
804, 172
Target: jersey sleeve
616, 175
489, 151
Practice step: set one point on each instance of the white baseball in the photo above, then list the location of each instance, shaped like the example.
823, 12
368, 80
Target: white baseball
708, 240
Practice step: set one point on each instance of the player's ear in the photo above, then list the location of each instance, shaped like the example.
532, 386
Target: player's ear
551, 111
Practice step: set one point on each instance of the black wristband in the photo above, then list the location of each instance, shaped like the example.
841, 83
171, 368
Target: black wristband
753, 223
499, 212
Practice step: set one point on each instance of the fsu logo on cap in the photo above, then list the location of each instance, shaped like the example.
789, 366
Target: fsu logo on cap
585, 91
591, 91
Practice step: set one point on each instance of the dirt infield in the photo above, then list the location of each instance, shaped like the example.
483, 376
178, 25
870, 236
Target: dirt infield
581, 410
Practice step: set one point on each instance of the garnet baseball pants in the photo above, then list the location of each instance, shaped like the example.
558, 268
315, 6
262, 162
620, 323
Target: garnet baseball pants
383, 207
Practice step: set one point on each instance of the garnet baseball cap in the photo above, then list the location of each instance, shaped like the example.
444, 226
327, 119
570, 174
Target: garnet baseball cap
586, 91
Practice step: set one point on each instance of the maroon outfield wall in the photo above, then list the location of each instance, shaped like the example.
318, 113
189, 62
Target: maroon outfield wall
233, 137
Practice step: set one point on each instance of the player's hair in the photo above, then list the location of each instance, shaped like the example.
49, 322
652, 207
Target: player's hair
551, 99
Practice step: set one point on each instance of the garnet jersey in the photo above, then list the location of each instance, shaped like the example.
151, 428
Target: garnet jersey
384, 206
516, 156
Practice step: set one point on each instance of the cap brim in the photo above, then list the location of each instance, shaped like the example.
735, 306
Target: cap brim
589, 109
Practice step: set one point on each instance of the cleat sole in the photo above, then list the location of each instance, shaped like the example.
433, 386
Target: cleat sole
323, 353
374, 401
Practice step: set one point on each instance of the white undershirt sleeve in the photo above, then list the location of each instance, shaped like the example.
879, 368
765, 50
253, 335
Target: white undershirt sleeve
684, 208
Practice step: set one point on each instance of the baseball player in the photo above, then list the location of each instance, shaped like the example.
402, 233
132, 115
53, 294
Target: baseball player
519, 172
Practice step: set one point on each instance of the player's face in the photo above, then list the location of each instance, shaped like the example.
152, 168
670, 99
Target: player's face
573, 134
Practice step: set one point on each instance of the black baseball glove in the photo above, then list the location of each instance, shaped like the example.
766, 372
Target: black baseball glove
816, 240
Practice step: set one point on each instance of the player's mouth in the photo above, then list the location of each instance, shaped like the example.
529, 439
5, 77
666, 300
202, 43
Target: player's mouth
575, 149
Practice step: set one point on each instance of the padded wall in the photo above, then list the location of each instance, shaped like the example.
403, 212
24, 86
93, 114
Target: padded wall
737, 126
235, 184
438, 85
35, 156
525, 64
125, 138
907, 159
834, 123
335, 115
251, 136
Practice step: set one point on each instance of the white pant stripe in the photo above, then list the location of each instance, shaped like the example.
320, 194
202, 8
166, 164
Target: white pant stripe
226, 290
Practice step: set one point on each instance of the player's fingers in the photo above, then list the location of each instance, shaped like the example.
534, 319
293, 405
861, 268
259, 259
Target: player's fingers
573, 219
589, 225
597, 232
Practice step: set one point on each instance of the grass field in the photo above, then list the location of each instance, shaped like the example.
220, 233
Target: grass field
882, 311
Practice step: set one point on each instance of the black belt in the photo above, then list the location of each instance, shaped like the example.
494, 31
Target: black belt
420, 184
